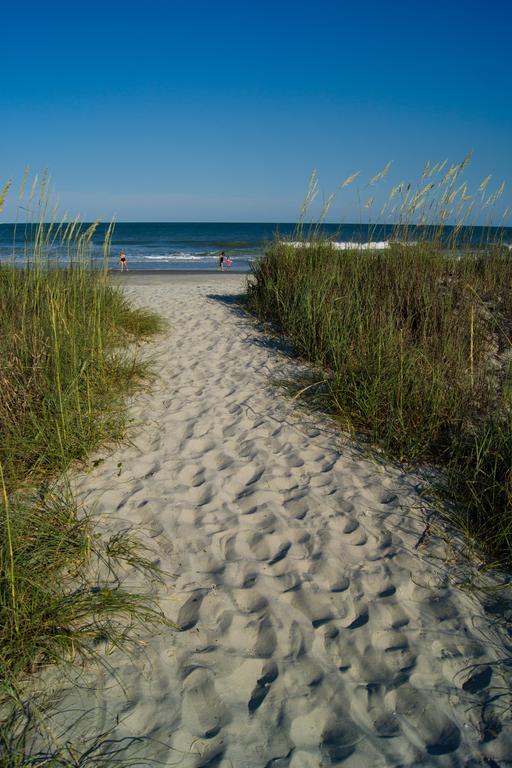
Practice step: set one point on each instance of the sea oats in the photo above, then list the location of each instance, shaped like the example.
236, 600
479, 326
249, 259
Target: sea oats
311, 194
493, 198
43, 186
58, 232
64, 236
465, 162
89, 232
459, 209
418, 204
425, 189
23, 183
33, 189
433, 170
72, 228
349, 180
3, 193
404, 203
500, 190
381, 174
484, 183
449, 176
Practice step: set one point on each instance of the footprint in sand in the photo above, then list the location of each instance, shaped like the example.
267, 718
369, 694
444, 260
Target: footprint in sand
189, 611
243, 479
260, 691
203, 712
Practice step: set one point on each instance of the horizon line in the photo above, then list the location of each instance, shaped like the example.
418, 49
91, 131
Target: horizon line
267, 223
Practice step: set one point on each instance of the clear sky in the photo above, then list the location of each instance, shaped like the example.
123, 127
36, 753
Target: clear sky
219, 111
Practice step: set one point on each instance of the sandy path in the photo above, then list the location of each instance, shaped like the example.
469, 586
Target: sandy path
313, 633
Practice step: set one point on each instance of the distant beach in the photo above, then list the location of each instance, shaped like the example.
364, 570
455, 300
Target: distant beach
196, 246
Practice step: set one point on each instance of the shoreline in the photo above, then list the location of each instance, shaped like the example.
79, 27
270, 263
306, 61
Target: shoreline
165, 276
179, 272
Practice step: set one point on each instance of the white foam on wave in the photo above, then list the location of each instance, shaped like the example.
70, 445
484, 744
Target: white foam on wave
178, 256
379, 245
350, 245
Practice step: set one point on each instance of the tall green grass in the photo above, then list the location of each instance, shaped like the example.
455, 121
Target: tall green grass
65, 379
411, 347
65, 374
67, 368
410, 344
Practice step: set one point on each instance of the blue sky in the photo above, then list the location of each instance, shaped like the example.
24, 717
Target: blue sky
219, 111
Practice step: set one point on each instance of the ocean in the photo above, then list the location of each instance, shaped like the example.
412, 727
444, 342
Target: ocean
196, 246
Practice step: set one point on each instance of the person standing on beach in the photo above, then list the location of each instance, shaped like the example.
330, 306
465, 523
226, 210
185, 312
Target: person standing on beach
221, 261
122, 262
228, 262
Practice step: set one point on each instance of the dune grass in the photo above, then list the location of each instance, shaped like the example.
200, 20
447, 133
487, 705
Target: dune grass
411, 347
65, 373
67, 366
65, 378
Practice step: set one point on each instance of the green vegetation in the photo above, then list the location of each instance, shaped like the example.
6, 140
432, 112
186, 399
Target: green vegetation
411, 347
65, 375
67, 366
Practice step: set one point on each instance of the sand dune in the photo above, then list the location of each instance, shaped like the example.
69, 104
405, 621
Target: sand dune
313, 632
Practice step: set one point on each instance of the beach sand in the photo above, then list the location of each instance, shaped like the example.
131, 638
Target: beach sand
314, 632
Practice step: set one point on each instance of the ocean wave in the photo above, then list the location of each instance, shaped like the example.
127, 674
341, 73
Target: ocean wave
379, 245
179, 256
350, 245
